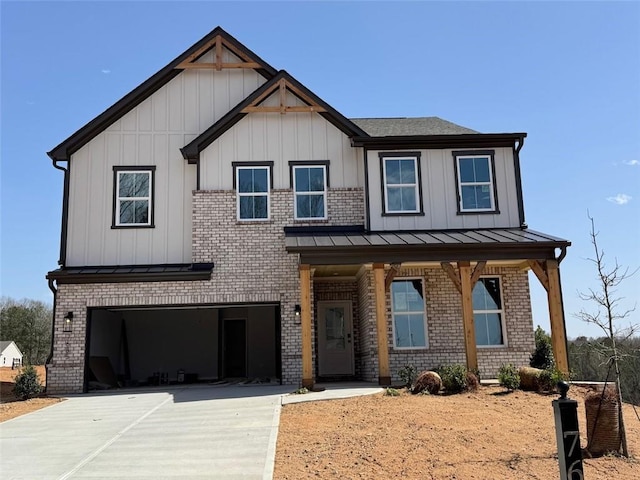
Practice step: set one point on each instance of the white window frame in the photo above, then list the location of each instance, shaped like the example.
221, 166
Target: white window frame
424, 315
239, 194
490, 183
416, 190
148, 198
500, 311
296, 193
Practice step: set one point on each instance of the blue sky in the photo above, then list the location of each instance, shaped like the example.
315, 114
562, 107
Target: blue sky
568, 74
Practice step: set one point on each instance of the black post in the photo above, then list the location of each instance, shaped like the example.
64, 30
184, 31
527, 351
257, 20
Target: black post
565, 413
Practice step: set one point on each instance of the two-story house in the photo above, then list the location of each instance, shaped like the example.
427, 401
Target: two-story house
222, 221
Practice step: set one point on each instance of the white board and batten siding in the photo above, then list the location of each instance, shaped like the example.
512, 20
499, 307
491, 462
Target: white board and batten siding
439, 195
151, 134
261, 137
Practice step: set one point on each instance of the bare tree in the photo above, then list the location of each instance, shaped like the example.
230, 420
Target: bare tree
608, 315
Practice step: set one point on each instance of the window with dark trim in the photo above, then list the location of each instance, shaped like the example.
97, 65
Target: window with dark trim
401, 183
310, 182
408, 311
475, 182
133, 196
253, 183
488, 313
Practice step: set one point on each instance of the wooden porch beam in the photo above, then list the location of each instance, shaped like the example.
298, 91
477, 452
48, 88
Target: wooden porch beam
453, 276
384, 375
556, 317
477, 271
539, 269
305, 316
467, 316
391, 274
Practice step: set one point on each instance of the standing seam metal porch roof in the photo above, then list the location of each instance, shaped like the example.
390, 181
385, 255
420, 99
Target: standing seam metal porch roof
433, 245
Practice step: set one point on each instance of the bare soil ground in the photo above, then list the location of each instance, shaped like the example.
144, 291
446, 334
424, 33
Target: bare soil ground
483, 435
10, 406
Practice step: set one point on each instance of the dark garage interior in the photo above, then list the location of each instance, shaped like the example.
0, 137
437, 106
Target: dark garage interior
129, 347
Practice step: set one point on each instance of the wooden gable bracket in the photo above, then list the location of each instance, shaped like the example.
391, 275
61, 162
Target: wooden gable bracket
539, 268
455, 277
391, 274
282, 86
218, 43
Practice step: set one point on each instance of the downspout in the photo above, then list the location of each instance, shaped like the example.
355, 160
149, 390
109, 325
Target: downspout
54, 290
65, 211
516, 163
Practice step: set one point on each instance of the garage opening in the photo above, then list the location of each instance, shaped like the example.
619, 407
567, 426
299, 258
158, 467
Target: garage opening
130, 347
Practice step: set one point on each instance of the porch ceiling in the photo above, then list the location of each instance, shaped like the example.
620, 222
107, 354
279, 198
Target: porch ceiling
349, 248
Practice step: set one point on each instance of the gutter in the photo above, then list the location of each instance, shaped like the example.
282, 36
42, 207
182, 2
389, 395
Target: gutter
65, 212
54, 290
516, 162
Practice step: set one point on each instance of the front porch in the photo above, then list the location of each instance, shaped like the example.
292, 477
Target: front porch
444, 273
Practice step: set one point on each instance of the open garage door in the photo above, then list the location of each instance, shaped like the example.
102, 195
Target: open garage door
128, 347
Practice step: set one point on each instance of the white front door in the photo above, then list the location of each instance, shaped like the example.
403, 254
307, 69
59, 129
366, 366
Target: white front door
335, 339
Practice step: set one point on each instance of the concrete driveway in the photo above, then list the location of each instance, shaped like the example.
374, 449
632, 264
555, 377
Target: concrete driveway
191, 432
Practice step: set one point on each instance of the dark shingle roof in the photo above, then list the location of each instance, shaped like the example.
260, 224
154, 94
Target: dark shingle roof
403, 126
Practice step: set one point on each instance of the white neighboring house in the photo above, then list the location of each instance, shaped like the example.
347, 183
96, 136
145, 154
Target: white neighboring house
10, 354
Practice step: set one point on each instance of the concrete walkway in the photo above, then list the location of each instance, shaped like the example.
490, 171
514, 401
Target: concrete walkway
191, 432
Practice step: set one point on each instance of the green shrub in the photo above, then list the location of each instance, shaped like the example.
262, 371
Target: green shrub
408, 375
454, 378
391, 392
509, 377
542, 356
548, 379
27, 384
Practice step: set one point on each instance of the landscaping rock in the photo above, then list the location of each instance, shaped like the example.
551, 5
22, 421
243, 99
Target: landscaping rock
429, 381
529, 377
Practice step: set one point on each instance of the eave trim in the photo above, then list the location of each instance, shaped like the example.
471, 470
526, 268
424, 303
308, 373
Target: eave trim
464, 140
192, 150
72, 144
72, 275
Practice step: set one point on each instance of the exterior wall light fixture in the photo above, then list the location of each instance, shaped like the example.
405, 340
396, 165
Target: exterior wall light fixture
298, 310
68, 322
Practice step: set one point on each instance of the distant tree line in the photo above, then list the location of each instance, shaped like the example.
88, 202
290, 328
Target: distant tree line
589, 361
28, 323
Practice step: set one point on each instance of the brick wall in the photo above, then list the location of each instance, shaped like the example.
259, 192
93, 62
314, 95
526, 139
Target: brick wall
251, 266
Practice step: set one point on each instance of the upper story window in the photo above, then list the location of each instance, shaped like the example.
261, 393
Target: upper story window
488, 314
252, 182
310, 182
401, 188
475, 182
133, 196
407, 308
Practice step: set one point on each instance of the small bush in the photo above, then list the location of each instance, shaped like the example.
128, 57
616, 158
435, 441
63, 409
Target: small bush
542, 356
549, 378
27, 384
408, 375
454, 378
508, 377
391, 392
300, 391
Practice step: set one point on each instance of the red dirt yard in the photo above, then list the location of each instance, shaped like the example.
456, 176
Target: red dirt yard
10, 407
483, 435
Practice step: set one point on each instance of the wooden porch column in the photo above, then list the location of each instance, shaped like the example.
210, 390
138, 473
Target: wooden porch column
556, 317
467, 316
384, 376
305, 317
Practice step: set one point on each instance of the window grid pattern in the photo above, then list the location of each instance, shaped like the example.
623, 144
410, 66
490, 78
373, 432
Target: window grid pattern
401, 185
310, 192
253, 188
475, 183
133, 198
